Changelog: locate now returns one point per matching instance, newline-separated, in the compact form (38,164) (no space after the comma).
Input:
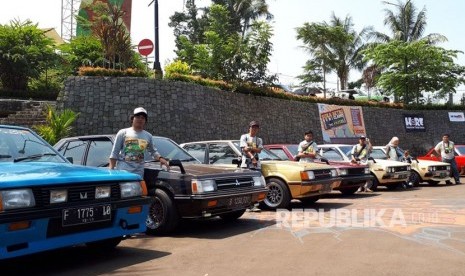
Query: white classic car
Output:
(386,172)
(429,171)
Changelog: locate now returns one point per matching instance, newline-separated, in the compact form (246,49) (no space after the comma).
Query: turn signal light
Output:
(261,196)
(19,225)
(134,209)
(144,188)
(212,203)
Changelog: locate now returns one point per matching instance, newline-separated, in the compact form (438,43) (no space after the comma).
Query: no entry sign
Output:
(145,47)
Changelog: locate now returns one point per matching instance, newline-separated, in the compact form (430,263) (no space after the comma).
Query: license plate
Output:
(401,176)
(239,201)
(442,175)
(84,215)
(326,188)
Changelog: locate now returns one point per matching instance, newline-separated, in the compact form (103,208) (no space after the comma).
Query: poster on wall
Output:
(414,123)
(341,124)
(456,117)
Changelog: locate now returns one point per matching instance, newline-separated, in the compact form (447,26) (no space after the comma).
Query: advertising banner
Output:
(414,123)
(456,117)
(341,124)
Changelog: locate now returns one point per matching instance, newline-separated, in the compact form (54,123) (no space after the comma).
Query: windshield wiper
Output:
(34,156)
(188,159)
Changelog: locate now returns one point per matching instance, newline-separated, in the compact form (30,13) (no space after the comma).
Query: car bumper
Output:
(315,187)
(354,181)
(437,176)
(390,178)
(208,205)
(45,232)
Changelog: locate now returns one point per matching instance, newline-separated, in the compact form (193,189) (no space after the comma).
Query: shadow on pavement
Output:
(80,258)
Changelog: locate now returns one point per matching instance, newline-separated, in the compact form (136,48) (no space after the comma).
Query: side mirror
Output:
(237,161)
(372,159)
(177,163)
(70,159)
(324,160)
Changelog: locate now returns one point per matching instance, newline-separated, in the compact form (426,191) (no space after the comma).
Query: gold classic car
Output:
(429,171)
(286,180)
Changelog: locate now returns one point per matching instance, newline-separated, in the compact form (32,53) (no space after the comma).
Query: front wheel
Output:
(375,184)
(163,216)
(232,216)
(415,178)
(278,195)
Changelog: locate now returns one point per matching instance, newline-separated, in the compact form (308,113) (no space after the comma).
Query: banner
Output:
(414,123)
(341,124)
(456,117)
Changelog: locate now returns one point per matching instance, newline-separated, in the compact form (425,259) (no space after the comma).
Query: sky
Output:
(444,17)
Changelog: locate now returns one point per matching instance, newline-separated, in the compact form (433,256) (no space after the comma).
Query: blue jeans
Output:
(453,168)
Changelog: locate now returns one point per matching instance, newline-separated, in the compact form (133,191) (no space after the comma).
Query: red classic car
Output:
(353,175)
(459,157)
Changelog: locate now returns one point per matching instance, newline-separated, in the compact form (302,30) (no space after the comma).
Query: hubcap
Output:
(274,196)
(156,215)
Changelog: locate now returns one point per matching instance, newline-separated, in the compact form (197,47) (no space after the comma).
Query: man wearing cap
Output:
(131,144)
(251,146)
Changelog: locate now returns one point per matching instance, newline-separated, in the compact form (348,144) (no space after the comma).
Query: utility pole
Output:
(156,63)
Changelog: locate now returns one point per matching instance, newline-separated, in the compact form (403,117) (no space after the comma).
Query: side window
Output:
(75,149)
(99,153)
(196,150)
(220,153)
(280,153)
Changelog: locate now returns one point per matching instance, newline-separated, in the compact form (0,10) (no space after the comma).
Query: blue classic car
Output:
(48,203)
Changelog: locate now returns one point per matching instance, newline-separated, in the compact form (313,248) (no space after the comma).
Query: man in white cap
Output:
(131,143)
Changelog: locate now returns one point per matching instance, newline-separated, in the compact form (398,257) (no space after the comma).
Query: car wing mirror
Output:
(70,159)
(177,163)
(237,161)
(372,159)
(324,160)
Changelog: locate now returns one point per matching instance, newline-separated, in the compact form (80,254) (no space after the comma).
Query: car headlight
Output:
(259,181)
(409,168)
(342,171)
(431,169)
(130,189)
(18,198)
(58,196)
(333,173)
(202,186)
(102,191)
(367,170)
(448,168)
(307,175)
(390,169)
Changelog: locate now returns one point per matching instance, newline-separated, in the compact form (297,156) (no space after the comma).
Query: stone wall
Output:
(189,112)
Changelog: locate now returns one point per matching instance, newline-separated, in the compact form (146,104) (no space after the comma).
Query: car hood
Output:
(296,165)
(425,163)
(48,173)
(215,170)
(390,163)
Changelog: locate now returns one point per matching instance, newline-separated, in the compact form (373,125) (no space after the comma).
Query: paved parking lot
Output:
(414,232)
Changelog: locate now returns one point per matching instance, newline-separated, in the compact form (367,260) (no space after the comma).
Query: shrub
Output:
(177,67)
(100,71)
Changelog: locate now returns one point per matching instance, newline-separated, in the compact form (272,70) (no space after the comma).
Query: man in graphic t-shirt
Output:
(251,146)
(446,150)
(131,144)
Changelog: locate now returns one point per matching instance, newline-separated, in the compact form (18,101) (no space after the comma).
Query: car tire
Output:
(433,183)
(278,195)
(163,216)
(415,178)
(232,216)
(374,186)
(105,245)
(349,191)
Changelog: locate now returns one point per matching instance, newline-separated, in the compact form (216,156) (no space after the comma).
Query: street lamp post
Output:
(156,63)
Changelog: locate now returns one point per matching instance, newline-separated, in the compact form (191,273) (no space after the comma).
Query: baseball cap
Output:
(253,123)
(139,110)
(362,137)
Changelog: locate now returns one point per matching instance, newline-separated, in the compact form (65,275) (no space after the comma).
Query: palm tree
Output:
(406,24)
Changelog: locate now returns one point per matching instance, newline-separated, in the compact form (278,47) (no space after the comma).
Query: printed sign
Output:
(456,117)
(414,123)
(341,124)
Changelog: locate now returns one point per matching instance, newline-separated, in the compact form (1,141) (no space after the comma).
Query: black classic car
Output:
(189,190)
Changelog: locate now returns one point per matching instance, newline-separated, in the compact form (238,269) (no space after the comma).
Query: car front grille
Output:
(76,194)
(356,171)
(441,168)
(234,183)
(322,174)
(400,169)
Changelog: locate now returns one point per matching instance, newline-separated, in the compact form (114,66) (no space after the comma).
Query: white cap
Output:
(140,110)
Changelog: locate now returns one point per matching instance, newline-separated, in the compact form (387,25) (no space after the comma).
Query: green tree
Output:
(417,66)
(25,53)
(82,51)
(335,45)
(59,125)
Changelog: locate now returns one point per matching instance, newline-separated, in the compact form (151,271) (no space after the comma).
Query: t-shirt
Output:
(446,149)
(129,148)
(394,153)
(251,142)
(357,152)
(307,147)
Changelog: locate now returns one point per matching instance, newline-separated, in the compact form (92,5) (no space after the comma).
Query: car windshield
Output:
(378,154)
(19,145)
(169,149)
(460,150)
(263,155)
(346,150)
(293,149)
